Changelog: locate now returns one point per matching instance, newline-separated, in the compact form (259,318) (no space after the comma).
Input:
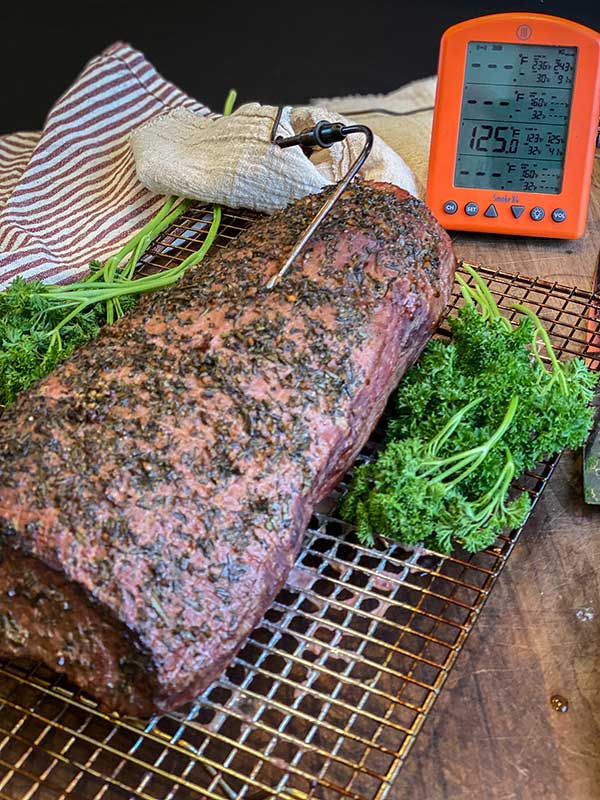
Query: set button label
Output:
(471,209)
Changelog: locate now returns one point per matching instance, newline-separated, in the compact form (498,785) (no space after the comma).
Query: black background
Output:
(284,52)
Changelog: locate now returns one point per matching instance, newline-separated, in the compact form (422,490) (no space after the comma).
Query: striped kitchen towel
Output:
(70,193)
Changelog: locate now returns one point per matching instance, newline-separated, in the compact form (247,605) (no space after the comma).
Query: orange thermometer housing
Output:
(515,126)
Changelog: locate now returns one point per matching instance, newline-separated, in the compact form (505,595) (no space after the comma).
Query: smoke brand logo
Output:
(524,32)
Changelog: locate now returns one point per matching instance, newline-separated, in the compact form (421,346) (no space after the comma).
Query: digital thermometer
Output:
(515,126)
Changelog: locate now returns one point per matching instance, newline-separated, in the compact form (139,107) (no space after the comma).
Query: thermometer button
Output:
(517,211)
(471,209)
(490,211)
(450,207)
(537,213)
(559,215)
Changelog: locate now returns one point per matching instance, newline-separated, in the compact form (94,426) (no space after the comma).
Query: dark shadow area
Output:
(270,52)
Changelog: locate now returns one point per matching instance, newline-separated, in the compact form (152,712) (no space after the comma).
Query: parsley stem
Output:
(493,499)
(481,294)
(466,461)
(557,371)
(113,290)
(442,437)
(229,102)
(108,282)
(152,229)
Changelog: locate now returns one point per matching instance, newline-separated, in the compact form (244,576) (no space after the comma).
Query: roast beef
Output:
(155,488)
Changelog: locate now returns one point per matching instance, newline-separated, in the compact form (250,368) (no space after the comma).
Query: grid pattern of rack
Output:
(330,691)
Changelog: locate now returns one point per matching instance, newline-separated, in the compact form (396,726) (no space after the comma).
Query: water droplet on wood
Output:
(559,703)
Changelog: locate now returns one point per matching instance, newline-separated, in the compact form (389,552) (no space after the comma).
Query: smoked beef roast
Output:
(155,488)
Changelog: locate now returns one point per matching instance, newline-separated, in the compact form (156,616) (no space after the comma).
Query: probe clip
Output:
(323,134)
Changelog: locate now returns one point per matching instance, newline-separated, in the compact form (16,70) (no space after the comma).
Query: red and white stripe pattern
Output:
(70,193)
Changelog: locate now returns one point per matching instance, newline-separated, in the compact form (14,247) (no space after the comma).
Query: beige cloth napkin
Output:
(231,160)
(408,135)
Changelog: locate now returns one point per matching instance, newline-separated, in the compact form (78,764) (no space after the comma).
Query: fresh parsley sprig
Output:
(469,417)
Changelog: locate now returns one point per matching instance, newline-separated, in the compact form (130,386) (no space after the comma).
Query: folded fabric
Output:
(232,161)
(409,133)
(70,193)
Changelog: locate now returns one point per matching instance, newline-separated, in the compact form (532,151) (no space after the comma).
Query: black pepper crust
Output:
(169,468)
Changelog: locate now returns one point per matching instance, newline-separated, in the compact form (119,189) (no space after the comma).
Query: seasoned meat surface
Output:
(155,488)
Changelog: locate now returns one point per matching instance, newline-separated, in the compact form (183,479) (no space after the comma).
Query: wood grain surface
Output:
(493,733)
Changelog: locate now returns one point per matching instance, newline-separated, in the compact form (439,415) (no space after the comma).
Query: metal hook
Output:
(276,122)
(323,134)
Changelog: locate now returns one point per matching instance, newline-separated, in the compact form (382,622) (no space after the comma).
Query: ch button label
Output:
(450,207)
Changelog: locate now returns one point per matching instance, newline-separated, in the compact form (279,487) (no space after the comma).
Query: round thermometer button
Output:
(471,209)
(450,207)
(537,213)
(559,215)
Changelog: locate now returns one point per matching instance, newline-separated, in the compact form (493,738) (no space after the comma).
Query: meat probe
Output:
(323,134)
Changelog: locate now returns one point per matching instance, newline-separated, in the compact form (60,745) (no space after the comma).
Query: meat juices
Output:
(155,488)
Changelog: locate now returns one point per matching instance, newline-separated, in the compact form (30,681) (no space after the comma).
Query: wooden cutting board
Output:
(493,733)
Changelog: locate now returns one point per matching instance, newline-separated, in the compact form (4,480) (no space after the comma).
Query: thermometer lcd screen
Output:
(515,116)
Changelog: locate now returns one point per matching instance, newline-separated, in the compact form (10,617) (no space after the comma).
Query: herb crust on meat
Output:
(155,488)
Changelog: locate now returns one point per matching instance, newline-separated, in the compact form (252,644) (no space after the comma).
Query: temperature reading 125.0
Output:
(514,117)
(515,125)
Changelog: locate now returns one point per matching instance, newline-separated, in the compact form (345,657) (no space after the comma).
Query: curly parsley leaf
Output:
(472,414)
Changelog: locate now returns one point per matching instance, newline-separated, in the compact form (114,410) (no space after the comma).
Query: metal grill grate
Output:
(330,691)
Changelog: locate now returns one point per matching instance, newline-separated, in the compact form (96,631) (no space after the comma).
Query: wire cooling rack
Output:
(330,691)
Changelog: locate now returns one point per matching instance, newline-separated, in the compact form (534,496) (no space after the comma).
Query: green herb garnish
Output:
(470,416)
(41,325)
